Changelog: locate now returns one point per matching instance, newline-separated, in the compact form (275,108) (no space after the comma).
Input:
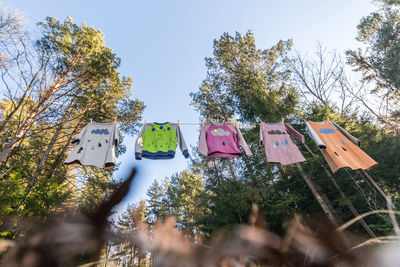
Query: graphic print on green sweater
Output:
(159,138)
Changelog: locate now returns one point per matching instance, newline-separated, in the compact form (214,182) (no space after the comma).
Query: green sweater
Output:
(159,140)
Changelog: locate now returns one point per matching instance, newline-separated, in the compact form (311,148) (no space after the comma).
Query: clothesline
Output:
(223,140)
(200,123)
(180,123)
(189,123)
(212,122)
(344,152)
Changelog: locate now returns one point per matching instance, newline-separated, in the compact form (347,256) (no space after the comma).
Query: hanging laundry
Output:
(95,146)
(222,141)
(339,148)
(278,145)
(159,141)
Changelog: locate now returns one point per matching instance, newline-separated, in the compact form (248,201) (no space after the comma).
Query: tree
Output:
(11,31)
(323,75)
(127,253)
(186,196)
(158,203)
(255,84)
(53,86)
(378,61)
(83,74)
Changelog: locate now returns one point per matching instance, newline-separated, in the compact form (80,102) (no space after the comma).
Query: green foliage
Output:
(186,195)
(183,196)
(246,82)
(252,85)
(378,63)
(127,253)
(158,206)
(12,192)
(85,85)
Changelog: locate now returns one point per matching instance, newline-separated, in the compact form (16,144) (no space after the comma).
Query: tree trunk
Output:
(32,180)
(39,108)
(26,124)
(22,98)
(132,255)
(139,257)
(349,204)
(322,199)
(107,252)
(152,259)
(343,195)
(231,169)
(369,179)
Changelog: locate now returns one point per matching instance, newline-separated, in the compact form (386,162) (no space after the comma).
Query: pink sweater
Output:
(275,137)
(222,141)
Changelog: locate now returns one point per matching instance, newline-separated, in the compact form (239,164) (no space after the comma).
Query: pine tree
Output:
(41,116)
(252,85)
(186,196)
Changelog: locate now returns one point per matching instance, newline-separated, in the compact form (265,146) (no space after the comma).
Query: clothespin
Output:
(144,123)
(91,121)
(283,120)
(115,119)
(177,123)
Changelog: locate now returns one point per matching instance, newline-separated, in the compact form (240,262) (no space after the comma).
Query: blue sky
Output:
(163,44)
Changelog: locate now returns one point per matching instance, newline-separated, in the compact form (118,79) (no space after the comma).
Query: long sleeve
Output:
(314,136)
(181,142)
(139,144)
(296,135)
(78,138)
(353,139)
(261,134)
(243,143)
(116,136)
(203,148)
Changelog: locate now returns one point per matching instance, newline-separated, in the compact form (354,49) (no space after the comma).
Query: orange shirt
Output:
(338,146)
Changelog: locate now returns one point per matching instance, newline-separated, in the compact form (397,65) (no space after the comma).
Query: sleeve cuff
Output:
(138,156)
(186,154)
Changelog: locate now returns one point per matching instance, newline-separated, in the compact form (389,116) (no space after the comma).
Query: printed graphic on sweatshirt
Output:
(220,132)
(326,131)
(279,132)
(100,131)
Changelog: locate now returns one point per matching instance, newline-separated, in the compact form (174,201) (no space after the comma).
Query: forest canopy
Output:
(58,79)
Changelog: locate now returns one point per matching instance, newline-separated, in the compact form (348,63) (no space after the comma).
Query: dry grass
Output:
(76,239)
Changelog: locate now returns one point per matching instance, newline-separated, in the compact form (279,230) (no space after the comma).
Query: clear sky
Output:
(163,44)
